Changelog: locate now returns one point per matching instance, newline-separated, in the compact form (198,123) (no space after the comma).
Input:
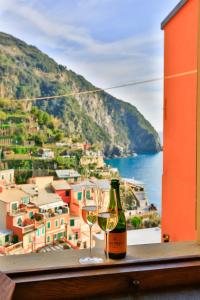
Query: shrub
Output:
(136,222)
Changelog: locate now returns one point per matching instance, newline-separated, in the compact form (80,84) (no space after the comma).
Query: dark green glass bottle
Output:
(118,236)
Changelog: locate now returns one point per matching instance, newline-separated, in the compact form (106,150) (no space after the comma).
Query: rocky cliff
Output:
(97,117)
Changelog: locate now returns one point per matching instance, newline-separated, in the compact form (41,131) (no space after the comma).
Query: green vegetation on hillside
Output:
(34,125)
(27,72)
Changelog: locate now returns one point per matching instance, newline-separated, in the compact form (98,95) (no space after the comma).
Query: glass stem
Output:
(107,238)
(90,241)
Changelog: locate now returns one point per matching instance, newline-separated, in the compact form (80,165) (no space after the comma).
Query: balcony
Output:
(26,228)
(17,212)
(55,213)
(11,248)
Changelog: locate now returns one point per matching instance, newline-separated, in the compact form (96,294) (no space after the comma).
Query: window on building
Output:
(88,194)
(72,222)
(25,200)
(7,238)
(67,193)
(48,224)
(76,235)
(79,196)
(62,221)
(70,237)
(56,223)
(19,221)
(14,206)
(38,232)
(43,230)
(48,239)
(31,214)
(60,235)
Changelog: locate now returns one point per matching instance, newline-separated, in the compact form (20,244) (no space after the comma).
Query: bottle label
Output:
(117,242)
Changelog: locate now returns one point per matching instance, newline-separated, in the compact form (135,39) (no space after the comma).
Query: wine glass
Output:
(89,215)
(107,215)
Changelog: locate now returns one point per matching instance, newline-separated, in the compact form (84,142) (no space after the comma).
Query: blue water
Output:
(146,168)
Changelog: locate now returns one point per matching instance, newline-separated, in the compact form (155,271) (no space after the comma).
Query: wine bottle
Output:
(118,236)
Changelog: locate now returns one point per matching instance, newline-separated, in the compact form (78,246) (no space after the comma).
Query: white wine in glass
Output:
(107,216)
(89,215)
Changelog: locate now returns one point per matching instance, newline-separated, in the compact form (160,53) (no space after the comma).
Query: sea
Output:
(146,168)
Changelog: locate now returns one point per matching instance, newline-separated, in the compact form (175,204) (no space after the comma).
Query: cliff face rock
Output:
(98,117)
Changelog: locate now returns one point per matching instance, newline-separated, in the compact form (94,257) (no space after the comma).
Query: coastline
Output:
(144,167)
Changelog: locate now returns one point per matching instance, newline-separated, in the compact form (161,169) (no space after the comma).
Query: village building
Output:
(79,193)
(63,189)
(138,193)
(92,158)
(7,176)
(46,153)
(69,174)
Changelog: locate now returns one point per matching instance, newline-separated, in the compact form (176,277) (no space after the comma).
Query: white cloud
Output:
(103,63)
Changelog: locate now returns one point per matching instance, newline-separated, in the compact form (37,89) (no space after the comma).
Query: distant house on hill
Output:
(46,153)
(7,176)
(92,158)
(68,174)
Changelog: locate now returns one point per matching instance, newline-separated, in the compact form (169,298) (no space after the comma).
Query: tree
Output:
(40,138)
(59,136)
(3,116)
(136,221)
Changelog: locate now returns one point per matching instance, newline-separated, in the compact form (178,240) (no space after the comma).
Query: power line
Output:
(91,91)
(97,90)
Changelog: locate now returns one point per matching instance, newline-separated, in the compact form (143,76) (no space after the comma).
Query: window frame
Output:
(134,274)
(78,194)
(72,221)
(48,226)
(56,223)
(129,275)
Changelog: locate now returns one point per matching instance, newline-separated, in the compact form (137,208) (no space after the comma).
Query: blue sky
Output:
(107,41)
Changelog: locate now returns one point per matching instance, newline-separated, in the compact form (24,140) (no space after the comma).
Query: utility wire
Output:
(97,90)
(91,91)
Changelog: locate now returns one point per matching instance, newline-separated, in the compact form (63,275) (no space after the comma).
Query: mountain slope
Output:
(98,117)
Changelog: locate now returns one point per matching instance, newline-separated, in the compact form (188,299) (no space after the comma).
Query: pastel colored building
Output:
(9,246)
(69,174)
(181,33)
(79,193)
(41,181)
(63,189)
(92,158)
(10,200)
(46,153)
(7,177)
(53,213)
(35,216)
(15,218)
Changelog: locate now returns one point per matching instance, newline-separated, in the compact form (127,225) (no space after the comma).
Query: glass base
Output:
(90,260)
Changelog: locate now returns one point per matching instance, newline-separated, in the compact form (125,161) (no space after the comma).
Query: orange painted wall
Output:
(62,194)
(179,162)
(52,220)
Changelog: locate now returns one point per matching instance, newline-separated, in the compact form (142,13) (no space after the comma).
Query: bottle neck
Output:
(114,192)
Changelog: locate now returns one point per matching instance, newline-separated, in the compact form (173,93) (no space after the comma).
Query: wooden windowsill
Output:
(70,258)
(58,275)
